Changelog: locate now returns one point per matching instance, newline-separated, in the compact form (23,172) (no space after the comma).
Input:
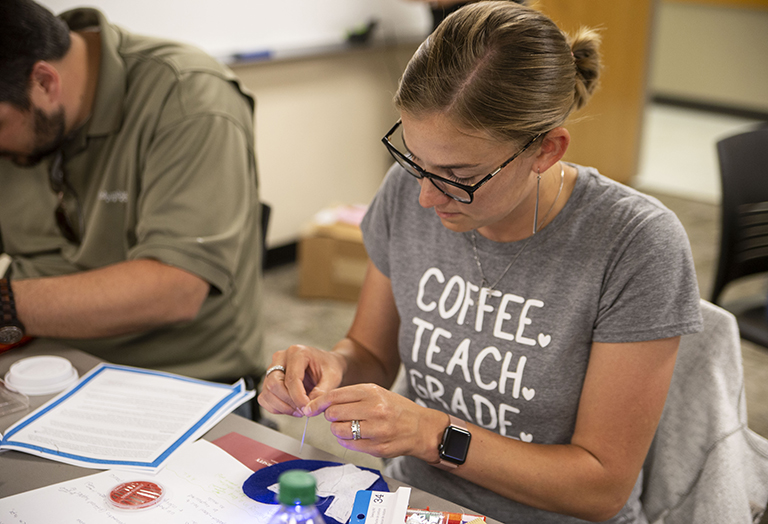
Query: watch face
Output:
(455,444)
(10,334)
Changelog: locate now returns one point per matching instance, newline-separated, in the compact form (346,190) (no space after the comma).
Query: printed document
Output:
(119,417)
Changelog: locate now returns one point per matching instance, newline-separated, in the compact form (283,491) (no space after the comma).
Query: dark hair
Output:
(502,68)
(28,33)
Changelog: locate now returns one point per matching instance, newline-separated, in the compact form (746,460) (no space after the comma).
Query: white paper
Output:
(203,485)
(123,417)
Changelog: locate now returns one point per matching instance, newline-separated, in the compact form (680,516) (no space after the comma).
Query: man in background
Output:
(128,196)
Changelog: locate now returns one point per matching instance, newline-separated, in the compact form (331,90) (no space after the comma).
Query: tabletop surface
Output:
(20,472)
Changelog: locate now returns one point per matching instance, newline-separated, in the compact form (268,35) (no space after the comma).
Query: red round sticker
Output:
(138,494)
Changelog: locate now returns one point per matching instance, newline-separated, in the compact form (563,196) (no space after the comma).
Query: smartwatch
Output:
(455,445)
(11,330)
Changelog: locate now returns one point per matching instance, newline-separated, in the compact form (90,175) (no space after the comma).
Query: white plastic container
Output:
(41,375)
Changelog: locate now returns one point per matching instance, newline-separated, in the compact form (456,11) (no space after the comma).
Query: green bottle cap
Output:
(296,487)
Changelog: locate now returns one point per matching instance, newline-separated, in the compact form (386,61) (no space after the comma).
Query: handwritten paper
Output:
(203,485)
(123,417)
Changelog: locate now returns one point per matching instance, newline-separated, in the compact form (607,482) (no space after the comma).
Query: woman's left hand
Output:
(390,424)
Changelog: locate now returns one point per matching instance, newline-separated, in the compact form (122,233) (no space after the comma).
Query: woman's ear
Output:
(45,86)
(553,147)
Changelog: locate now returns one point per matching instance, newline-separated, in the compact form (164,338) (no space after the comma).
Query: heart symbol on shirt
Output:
(544,340)
(526,437)
(528,393)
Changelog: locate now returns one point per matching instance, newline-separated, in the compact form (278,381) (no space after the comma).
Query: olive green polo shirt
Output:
(164,169)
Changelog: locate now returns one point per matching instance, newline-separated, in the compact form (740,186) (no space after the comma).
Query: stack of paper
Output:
(118,417)
(202,485)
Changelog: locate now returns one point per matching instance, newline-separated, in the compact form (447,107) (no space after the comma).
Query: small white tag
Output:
(378,507)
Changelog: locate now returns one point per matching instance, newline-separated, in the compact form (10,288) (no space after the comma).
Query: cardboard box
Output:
(332,261)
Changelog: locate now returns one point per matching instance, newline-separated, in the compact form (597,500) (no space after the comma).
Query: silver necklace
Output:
(535,229)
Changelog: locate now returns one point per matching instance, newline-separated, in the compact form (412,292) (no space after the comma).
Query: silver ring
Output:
(274,368)
(356,430)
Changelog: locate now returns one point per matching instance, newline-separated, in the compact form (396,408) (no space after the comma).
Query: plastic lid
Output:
(41,375)
(297,487)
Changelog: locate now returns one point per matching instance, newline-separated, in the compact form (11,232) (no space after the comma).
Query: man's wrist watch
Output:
(11,330)
(455,445)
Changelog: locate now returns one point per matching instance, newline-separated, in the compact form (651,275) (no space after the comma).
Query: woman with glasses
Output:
(535,305)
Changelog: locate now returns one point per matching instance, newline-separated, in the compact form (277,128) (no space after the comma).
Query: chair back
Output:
(744,234)
(705,466)
(266,211)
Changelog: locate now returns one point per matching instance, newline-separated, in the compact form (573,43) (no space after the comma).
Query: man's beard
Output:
(49,132)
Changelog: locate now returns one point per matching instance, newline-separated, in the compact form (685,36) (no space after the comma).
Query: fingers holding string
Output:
(299,374)
(274,396)
(311,373)
(297,381)
(343,403)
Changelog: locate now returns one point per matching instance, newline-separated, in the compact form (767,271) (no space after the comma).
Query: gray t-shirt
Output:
(613,266)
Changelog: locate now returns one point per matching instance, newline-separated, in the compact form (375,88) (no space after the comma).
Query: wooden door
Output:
(606,133)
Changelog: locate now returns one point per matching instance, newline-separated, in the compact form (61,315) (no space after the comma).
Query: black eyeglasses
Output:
(461,192)
(68,201)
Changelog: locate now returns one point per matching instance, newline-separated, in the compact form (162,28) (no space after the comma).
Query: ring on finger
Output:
(356,430)
(274,368)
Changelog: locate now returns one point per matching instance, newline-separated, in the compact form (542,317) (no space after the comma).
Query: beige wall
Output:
(320,119)
(319,122)
(712,52)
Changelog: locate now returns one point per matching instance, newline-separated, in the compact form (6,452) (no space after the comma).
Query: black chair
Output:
(266,211)
(252,381)
(744,235)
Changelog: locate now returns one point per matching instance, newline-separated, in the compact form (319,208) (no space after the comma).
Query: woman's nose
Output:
(429,195)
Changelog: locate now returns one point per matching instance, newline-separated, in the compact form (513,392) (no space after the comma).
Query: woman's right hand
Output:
(368,354)
(309,373)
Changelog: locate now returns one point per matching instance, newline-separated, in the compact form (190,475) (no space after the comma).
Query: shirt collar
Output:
(106,115)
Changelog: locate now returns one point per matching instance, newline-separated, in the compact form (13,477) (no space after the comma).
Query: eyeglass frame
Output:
(469,189)
(57,179)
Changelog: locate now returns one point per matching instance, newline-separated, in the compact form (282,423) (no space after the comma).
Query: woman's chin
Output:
(456,224)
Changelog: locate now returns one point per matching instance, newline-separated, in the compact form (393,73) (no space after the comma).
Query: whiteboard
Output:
(227,27)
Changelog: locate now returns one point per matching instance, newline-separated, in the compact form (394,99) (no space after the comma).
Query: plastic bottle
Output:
(297,499)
